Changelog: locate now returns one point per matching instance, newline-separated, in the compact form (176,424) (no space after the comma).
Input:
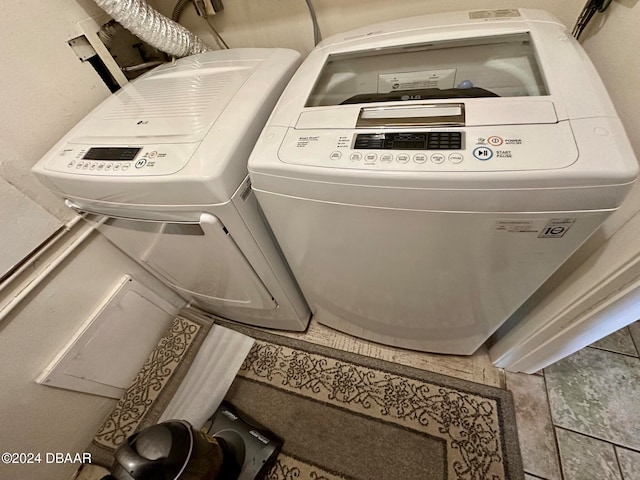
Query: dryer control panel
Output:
(121,160)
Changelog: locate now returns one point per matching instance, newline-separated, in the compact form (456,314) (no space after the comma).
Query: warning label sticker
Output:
(518,226)
(504,13)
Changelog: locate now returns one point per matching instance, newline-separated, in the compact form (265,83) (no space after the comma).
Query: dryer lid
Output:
(174,103)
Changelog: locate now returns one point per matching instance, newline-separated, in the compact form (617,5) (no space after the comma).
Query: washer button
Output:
(456,158)
(419,158)
(386,158)
(117,166)
(141,163)
(437,158)
(494,141)
(482,153)
(402,157)
(335,156)
(356,157)
(370,157)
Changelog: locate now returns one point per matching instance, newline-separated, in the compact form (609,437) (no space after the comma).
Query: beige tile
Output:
(586,458)
(476,368)
(629,463)
(535,430)
(618,342)
(596,393)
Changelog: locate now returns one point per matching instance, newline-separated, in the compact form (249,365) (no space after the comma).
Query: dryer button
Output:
(370,157)
(386,158)
(335,156)
(402,157)
(356,157)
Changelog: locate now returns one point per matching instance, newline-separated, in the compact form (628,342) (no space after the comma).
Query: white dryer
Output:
(424,176)
(163,164)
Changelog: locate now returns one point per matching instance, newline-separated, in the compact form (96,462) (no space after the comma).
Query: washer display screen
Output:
(409,141)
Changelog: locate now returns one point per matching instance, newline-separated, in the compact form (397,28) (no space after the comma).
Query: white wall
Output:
(44,88)
(25,225)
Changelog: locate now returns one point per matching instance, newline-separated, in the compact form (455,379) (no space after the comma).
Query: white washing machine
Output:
(163,164)
(424,176)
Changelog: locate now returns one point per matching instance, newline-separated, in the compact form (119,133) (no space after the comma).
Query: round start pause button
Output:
(483,153)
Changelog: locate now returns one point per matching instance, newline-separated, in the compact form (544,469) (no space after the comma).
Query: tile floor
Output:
(579,419)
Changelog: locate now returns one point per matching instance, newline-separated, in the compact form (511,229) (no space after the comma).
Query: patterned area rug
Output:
(345,416)
(341,415)
(145,399)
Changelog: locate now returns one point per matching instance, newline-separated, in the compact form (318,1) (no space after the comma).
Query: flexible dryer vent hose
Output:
(152,27)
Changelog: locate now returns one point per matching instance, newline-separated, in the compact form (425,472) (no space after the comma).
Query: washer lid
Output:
(478,67)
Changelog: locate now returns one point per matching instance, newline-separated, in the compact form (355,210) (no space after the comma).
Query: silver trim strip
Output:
(432,114)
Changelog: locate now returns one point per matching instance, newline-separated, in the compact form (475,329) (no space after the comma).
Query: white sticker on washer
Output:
(545,228)
(392,82)
(518,226)
(505,13)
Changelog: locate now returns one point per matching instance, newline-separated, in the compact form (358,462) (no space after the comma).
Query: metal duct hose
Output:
(154,28)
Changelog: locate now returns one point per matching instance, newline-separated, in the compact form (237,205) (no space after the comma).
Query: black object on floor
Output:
(249,448)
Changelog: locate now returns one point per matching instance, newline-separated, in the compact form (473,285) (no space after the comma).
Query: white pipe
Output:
(62,256)
(30,262)
(153,27)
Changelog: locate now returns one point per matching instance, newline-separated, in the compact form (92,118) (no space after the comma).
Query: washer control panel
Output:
(486,148)
(121,160)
